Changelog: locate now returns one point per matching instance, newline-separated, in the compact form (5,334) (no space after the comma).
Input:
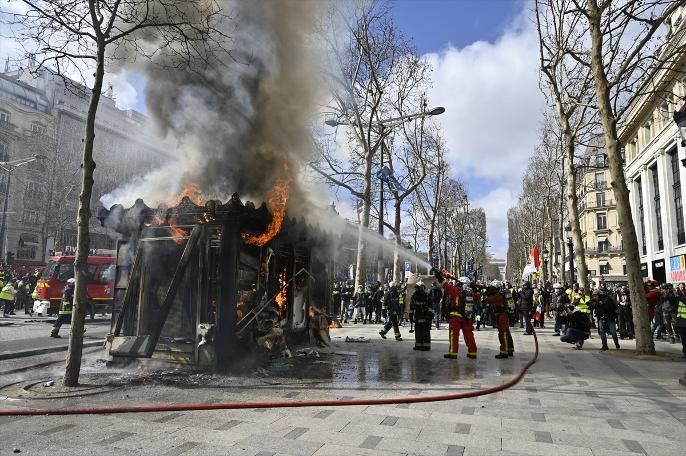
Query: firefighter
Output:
(458,318)
(65,308)
(391,300)
(421,312)
(497,302)
(511,297)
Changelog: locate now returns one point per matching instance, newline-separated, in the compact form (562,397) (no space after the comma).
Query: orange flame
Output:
(334,324)
(281,296)
(192,191)
(278,197)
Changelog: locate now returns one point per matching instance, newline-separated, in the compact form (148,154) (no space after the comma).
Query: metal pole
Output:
(4,212)
(570,247)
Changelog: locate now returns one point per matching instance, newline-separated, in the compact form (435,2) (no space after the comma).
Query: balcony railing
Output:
(597,205)
(609,250)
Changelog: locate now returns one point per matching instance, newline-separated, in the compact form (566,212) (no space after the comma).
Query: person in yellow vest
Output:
(680,323)
(7,299)
(66,306)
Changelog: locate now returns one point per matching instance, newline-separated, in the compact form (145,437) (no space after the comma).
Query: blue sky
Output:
(433,24)
(485,74)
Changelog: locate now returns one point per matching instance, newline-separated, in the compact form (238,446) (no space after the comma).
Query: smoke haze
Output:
(241,123)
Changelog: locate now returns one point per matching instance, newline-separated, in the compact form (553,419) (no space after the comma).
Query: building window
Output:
(37,128)
(600,199)
(4,153)
(601,221)
(600,160)
(623,269)
(603,245)
(641,216)
(33,191)
(28,252)
(678,204)
(658,214)
(599,180)
(30,217)
(4,116)
(591,272)
(605,269)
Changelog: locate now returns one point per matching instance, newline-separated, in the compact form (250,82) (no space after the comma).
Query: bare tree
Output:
(625,52)
(568,83)
(82,36)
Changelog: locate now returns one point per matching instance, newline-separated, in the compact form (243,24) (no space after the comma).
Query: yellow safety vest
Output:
(681,310)
(583,305)
(509,292)
(6,293)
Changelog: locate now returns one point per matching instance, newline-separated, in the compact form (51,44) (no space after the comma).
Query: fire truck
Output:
(60,268)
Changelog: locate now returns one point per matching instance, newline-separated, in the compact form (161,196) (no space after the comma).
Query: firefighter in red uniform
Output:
(459,314)
(497,302)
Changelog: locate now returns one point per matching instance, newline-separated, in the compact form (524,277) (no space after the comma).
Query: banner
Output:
(678,268)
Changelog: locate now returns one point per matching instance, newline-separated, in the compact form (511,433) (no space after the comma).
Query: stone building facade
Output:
(43,196)
(653,167)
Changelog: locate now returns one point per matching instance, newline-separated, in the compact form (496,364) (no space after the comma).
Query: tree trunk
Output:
(561,232)
(360,269)
(73,365)
(397,266)
(572,201)
(644,339)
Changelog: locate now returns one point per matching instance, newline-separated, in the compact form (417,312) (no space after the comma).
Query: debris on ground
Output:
(361,339)
(49,383)
(344,353)
(307,353)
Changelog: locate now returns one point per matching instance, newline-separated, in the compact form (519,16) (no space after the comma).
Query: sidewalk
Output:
(24,336)
(571,402)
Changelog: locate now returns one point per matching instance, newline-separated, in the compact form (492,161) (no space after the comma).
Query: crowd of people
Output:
(17,290)
(572,311)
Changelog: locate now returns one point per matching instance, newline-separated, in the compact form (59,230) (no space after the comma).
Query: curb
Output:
(45,350)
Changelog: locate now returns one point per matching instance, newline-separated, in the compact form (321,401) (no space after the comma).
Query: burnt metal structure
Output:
(186,278)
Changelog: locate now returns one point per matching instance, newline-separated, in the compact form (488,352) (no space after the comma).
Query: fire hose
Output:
(281,404)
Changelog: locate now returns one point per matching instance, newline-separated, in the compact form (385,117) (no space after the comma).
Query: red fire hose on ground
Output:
(283,404)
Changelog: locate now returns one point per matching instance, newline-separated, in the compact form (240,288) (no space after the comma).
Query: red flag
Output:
(535,256)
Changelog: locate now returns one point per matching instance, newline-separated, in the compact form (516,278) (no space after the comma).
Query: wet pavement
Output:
(571,402)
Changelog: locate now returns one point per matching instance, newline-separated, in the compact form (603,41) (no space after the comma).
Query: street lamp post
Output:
(570,248)
(8,167)
(385,126)
(545,265)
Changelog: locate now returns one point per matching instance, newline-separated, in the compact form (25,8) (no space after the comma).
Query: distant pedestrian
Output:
(392,303)
(435,297)
(7,298)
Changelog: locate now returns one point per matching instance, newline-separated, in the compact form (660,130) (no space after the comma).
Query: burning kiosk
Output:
(197,277)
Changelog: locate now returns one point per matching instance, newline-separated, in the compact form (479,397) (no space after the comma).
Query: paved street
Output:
(22,332)
(571,402)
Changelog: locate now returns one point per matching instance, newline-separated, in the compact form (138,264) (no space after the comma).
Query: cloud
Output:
(493,113)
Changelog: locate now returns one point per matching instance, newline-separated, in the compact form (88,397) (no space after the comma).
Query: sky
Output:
(484,58)
(484,54)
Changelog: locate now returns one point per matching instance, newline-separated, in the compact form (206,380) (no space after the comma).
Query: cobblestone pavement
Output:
(571,403)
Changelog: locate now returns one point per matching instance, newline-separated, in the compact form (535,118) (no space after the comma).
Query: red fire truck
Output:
(60,268)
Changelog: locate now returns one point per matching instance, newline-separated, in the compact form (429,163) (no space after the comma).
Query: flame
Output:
(278,197)
(281,296)
(192,191)
(334,324)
